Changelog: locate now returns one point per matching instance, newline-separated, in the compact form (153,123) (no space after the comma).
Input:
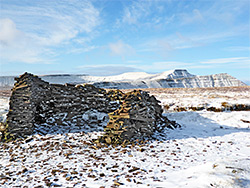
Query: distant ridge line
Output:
(178,78)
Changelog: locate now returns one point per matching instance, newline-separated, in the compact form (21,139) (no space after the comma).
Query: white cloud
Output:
(135,12)
(195,17)
(33,31)
(179,41)
(227,11)
(66,21)
(223,63)
(166,45)
(166,65)
(162,66)
(16,45)
(8,32)
(133,61)
(228,60)
(108,69)
(82,50)
(235,62)
(121,49)
(238,48)
(221,13)
(146,14)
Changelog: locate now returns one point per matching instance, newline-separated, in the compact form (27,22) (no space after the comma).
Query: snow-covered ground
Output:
(174,99)
(4,106)
(211,149)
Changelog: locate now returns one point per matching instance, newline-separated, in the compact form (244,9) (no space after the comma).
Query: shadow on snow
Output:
(193,125)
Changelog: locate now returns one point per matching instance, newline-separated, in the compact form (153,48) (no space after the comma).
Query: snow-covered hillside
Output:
(169,79)
(211,149)
(175,80)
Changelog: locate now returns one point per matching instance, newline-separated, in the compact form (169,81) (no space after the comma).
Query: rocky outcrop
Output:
(38,106)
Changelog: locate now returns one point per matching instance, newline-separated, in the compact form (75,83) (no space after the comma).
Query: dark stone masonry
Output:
(38,106)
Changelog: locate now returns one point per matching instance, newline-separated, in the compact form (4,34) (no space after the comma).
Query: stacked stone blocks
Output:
(35,103)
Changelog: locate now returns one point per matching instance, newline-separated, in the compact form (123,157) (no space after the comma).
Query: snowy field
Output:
(186,99)
(211,149)
(4,106)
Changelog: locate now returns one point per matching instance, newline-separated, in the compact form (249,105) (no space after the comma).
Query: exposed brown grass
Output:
(229,94)
(194,90)
(5,91)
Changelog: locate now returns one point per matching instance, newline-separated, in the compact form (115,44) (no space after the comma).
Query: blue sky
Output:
(115,36)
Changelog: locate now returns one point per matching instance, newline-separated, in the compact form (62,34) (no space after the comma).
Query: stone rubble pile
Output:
(38,106)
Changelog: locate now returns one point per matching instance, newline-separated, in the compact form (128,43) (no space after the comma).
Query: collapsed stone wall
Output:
(35,103)
(138,117)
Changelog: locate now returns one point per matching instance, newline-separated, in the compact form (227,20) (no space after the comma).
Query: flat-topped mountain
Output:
(179,78)
(173,79)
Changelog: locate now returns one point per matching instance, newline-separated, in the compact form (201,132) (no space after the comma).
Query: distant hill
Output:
(179,78)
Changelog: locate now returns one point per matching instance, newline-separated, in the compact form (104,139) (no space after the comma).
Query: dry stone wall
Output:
(38,106)
(35,102)
(138,117)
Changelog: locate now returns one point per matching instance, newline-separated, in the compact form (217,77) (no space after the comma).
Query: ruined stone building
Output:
(38,106)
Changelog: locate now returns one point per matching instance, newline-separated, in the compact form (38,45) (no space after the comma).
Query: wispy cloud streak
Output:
(228,60)
(45,25)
